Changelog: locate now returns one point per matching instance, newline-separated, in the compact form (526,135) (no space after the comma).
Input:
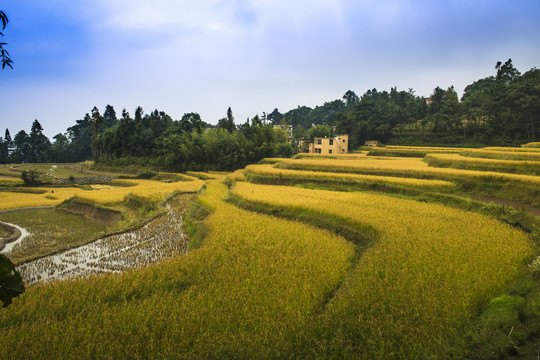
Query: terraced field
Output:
(349,257)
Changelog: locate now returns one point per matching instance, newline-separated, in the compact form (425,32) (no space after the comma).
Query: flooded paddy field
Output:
(161,238)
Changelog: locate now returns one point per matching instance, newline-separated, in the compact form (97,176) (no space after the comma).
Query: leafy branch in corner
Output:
(4,54)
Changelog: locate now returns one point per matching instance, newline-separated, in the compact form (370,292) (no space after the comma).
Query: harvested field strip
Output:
(413,291)
(260,173)
(249,292)
(457,161)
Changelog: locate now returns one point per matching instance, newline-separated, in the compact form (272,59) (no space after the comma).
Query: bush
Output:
(30,178)
(146,174)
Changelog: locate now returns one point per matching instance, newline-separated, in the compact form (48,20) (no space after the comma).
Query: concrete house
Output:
(338,144)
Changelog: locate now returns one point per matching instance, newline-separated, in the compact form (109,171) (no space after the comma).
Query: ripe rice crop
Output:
(457,161)
(414,290)
(514,149)
(268,172)
(502,155)
(524,188)
(154,190)
(531,145)
(249,292)
(410,151)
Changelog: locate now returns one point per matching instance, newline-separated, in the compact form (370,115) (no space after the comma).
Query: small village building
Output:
(373,143)
(338,144)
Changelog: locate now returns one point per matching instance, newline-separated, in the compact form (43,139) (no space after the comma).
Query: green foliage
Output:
(30,178)
(11,284)
(146,174)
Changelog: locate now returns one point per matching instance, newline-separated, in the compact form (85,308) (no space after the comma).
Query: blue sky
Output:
(203,56)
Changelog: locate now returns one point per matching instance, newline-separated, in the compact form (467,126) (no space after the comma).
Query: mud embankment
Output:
(95,214)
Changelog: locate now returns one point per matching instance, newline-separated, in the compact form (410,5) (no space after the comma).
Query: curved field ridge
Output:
(410,294)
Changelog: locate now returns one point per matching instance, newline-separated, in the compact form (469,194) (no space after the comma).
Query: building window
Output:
(330,150)
(317,151)
(319,142)
(331,142)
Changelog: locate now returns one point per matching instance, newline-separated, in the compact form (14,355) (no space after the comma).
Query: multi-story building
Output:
(338,144)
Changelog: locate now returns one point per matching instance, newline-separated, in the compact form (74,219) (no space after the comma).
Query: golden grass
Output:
(427,275)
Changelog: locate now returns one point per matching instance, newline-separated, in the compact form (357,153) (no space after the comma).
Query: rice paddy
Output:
(318,274)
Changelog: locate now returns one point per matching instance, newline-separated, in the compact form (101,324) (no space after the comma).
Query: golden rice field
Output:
(532,145)
(411,151)
(269,172)
(423,279)
(249,292)
(153,190)
(512,149)
(502,155)
(265,287)
(518,187)
(408,167)
(458,161)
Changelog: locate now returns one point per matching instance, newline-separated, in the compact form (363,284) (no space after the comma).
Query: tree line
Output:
(153,139)
(502,109)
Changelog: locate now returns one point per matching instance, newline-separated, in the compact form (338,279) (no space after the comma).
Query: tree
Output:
(274,117)
(39,143)
(228,122)
(350,98)
(21,151)
(109,116)
(6,60)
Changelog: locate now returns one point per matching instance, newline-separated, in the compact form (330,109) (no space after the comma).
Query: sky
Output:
(203,56)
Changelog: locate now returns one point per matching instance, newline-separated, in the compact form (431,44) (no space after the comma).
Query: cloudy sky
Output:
(203,56)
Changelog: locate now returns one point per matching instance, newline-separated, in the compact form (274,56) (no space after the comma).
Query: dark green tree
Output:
(350,98)
(274,117)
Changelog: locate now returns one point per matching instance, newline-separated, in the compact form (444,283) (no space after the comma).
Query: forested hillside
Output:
(503,109)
